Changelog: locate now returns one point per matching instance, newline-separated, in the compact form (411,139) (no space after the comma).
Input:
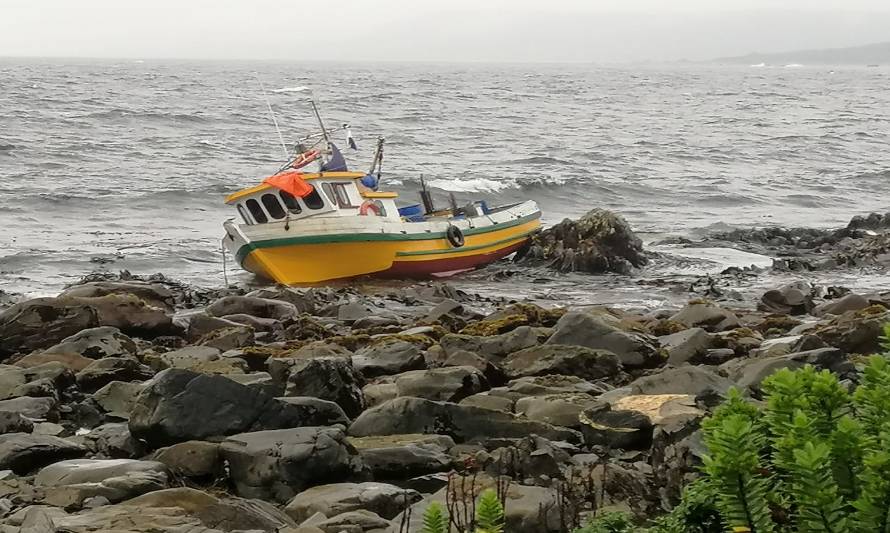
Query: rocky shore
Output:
(144,405)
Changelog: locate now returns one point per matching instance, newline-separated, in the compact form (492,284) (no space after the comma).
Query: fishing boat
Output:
(315,220)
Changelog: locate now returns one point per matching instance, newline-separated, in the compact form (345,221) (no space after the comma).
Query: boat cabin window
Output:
(256,211)
(244,216)
(273,206)
(290,202)
(313,200)
(338,194)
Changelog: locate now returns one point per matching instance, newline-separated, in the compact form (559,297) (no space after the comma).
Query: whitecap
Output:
(468,184)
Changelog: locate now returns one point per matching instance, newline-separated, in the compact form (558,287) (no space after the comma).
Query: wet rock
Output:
(330,500)
(856,332)
(486,400)
(22,452)
(14,423)
(180,405)
(750,373)
(378,393)
(323,412)
(277,464)
(461,422)
(791,299)
(699,382)
(130,314)
(556,409)
(686,346)
(328,378)
(304,300)
(600,241)
(525,512)
(354,522)
(155,294)
(118,397)
(229,338)
(582,329)
(849,302)
(248,305)
(493,348)
(72,361)
(113,440)
(555,384)
(41,322)
(191,459)
(492,372)
(706,315)
(573,360)
(69,483)
(34,408)
(388,358)
(616,428)
(398,457)
(786,345)
(449,384)
(204,359)
(199,325)
(96,343)
(103,371)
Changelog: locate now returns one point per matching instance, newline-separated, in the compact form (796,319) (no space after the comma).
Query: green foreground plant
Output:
(489,515)
(814,458)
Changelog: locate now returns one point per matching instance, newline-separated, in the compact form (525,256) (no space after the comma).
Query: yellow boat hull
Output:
(306,260)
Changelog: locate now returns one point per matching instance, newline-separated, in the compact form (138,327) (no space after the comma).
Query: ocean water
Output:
(110,165)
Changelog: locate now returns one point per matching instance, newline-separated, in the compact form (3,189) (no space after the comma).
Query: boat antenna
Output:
(308,91)
(272,114)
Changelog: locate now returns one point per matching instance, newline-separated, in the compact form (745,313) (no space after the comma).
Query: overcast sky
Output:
(417,30)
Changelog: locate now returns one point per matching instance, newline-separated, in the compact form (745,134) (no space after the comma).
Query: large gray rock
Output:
(398,457)
(154,294)
(96,343)
(177,510)
(113,440)
(389,358)
(193,458)
(22,453)
(750,373)
(118,397)
(600,241)
(693,380)
(577,328)
(42,322)
(791,299)
(129,313)
(686,346)
(848,302)
(278,464)
(180,405)
(706,315)
(204,359)
(555,359)
(328,378)
(69,483)
(449,384)
(556,409)
(248,305)
(16,381)
(461,422)
(330,500)
(528,510)
(35,408)
(494,347)
(103,371)
(360,521)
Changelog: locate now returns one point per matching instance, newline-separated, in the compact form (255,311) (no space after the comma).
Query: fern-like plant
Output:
(814,457)
(489,513)
(434,519)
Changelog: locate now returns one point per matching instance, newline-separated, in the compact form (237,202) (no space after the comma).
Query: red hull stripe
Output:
(436,266)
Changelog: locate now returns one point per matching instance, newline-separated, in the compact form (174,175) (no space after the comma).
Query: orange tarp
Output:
(291,182)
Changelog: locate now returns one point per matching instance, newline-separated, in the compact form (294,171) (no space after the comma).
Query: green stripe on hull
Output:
(245,250)
(466,248)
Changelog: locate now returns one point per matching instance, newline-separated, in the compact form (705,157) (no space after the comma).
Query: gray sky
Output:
(417,30)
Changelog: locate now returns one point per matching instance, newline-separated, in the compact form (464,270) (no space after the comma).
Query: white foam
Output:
(469,184)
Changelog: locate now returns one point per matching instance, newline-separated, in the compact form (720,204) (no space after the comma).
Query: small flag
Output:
(350,141)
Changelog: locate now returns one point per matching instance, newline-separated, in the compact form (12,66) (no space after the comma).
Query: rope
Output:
(222,245)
